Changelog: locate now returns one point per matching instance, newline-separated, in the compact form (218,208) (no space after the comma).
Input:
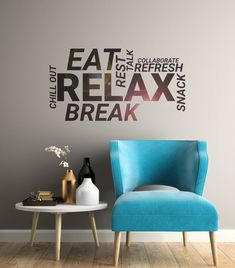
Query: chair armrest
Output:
(116,170)
(202,169)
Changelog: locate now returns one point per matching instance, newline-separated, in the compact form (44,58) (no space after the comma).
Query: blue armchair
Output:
(181,164)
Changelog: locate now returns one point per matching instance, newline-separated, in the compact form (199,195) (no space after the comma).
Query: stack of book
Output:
(44,196)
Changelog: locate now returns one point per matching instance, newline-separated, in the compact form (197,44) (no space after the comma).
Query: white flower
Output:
(63,153)
(66,164)
(67,149)
(60,153)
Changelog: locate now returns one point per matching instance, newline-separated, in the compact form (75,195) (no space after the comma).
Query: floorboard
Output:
(138,255)
(204,250)
(160,255)
(135,256)
(81,255)
(104,256)
(187,256)
(47,259)
(228,249)
(9,251)
(27,256)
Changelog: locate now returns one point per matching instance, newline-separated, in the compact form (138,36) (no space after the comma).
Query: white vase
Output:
(87,193)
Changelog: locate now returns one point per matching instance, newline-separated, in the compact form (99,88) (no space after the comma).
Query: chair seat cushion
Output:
(163,210)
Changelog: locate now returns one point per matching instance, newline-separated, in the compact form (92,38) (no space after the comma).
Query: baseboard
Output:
(225,235)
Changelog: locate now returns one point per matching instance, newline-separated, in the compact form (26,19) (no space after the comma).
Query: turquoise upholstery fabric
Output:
(163,210)
(181,164)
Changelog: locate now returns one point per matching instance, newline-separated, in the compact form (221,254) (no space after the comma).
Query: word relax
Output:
(136,88)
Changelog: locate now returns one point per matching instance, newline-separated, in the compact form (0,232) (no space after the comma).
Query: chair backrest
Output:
(181,164)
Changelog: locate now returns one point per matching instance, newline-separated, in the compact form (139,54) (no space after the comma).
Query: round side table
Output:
(58,210)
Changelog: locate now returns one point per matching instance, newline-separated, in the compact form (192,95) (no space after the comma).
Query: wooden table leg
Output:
(34,227)
(93,226)
(58,223)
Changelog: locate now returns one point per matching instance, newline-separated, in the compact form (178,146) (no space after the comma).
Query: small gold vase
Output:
(68,187)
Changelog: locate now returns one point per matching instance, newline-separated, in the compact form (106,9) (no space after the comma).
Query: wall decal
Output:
(110,84)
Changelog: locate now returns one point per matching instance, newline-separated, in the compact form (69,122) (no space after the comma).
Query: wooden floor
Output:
(142,255)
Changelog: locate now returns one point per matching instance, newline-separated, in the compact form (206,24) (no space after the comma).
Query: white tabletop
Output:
(62,208)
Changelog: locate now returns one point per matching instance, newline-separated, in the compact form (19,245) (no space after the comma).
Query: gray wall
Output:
(34,34)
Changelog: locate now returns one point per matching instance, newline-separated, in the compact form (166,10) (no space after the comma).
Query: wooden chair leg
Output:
(128,238)
(185,239)
(34,227)
(214,247)
(117,242)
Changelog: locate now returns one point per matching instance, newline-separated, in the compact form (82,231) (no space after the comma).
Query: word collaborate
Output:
(111,84)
